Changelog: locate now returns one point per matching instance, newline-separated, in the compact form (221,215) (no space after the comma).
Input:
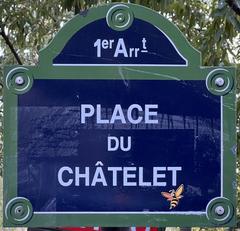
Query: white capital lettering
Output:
(114,171)
(87,110)
(99,177)
(149,114)
(121,49)
(117,115)
(127,175)
(60,176)
(82,175)
(141,182)
(157,176)
(174,174)
(129,114)
(99,113)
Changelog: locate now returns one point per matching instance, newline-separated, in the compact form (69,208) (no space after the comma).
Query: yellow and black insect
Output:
(174,196)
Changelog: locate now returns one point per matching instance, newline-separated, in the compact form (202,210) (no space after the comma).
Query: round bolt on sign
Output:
(119,17)
(18,211)
(19,80)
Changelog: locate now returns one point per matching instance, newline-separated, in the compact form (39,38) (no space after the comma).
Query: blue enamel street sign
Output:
(100,139)
(119,125)
(108,46)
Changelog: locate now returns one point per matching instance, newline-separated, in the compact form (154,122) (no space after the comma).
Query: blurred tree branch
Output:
(10,45)
(235,5)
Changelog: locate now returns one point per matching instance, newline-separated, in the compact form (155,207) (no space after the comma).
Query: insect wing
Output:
(167,195)
(180,190)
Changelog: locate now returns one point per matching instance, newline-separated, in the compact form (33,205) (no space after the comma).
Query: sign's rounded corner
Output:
(120,17)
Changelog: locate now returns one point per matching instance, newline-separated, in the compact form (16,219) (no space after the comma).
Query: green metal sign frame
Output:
(19,211)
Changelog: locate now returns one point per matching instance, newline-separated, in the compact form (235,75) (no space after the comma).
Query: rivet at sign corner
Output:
(219,210)
(18,209)
(19,80)
(219,82)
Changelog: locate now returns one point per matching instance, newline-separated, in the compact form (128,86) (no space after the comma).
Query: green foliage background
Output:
(212,26)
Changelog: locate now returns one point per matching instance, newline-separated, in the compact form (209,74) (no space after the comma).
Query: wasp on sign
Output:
(174,196)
